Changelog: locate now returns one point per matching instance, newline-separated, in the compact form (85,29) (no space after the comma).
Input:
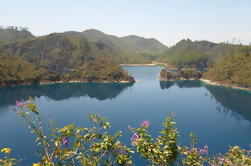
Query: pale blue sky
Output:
(166,20)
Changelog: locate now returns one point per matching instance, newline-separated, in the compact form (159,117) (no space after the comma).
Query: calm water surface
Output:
(219,116)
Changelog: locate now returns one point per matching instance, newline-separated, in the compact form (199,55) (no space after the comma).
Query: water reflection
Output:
(166,84)
(181,84)
(100,91)
(189,84)
(230,102)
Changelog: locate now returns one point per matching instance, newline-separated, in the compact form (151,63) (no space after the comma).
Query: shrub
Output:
(72,145)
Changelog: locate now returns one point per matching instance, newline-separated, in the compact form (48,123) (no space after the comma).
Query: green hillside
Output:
(14,33)
(14,70)
(131,44)
(141,44)
(131,49)
(197,54)
(101,69)
(57,51)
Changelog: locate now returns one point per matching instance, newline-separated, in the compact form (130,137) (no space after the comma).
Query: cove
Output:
(220,116)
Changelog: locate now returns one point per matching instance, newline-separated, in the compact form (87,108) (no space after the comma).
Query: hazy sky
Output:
(166,20)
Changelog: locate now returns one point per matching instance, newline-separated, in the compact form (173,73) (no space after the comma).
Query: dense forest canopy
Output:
(14,70)
(198,54)
(101,69)
(235,69)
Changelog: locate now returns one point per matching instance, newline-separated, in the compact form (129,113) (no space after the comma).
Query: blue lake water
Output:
(219,116)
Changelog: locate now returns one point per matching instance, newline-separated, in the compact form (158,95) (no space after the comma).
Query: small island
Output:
(16,71)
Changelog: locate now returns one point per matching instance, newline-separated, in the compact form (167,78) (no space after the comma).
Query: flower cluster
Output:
(145,124)
(65,141)
(204,150)
(134,139)
(20,103)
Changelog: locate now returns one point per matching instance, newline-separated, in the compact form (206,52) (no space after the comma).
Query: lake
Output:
(220,116)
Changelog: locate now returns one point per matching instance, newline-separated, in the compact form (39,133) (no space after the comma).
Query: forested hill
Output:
(56,51)
(198,54)
(14,33)
(226,63)
(15,71)
(59,51)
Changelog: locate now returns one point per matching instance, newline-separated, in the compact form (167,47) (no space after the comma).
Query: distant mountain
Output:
(132,43)
(13,33)
(139,44)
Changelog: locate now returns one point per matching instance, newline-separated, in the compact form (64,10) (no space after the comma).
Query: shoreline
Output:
(78,81)
(71,82)
(145,64)
(216,83)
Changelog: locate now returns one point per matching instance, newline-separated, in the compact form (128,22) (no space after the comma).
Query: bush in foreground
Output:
(72,145)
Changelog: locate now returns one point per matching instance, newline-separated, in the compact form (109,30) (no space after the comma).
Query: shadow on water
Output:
(233,102)
(100,91)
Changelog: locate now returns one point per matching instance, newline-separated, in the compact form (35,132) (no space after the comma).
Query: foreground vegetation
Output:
(72,145)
